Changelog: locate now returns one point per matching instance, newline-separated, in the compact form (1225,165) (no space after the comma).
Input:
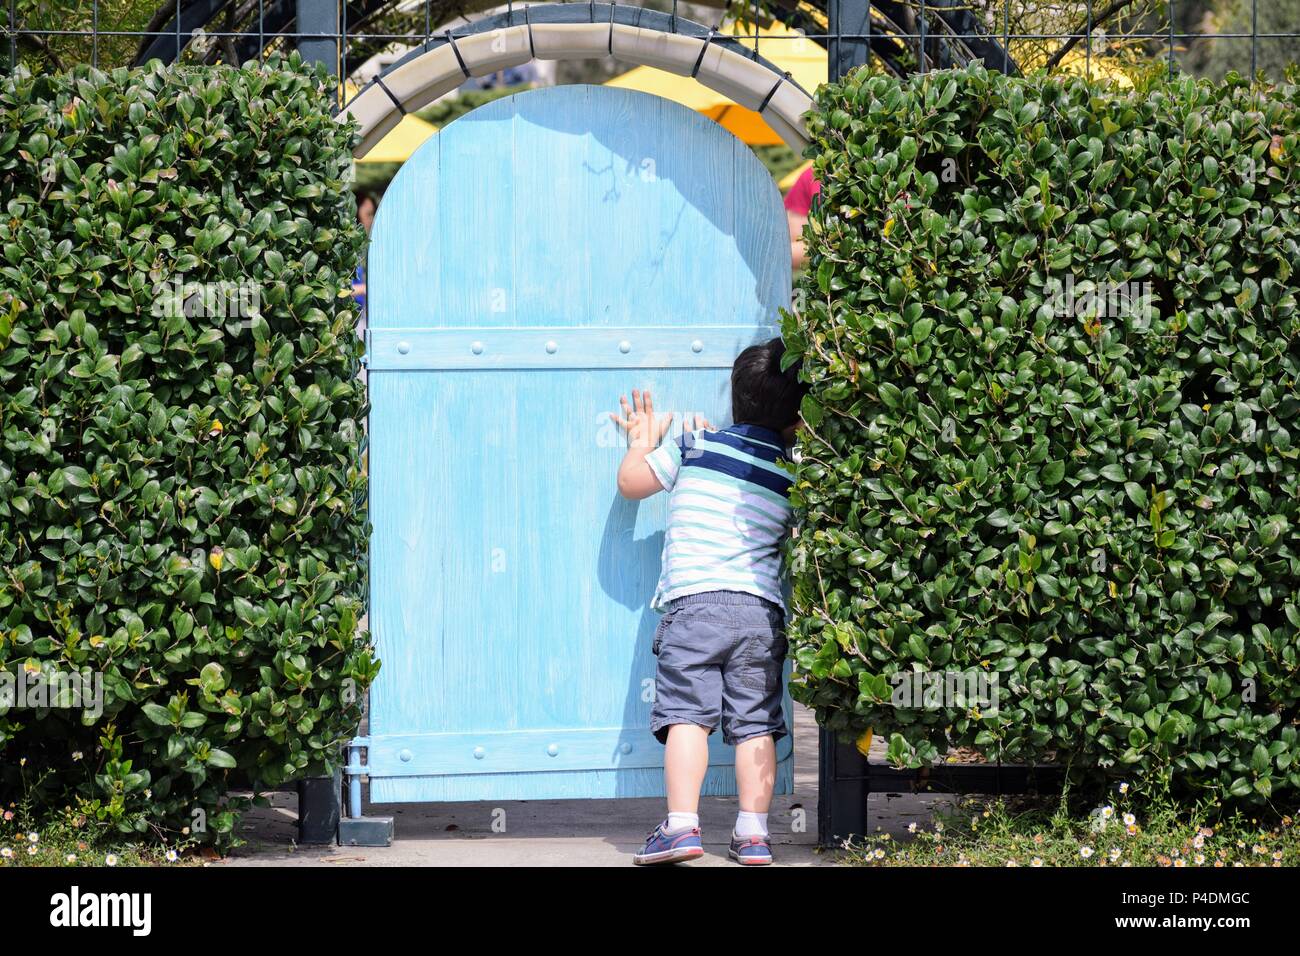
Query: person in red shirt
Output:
(798,202)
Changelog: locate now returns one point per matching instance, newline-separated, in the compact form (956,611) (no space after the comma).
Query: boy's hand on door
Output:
(638,420)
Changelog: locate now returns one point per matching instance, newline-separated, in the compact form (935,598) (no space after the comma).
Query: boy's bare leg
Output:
(756,773)
(686,760)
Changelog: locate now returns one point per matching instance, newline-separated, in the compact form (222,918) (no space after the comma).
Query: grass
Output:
(69,839)
(1123,832)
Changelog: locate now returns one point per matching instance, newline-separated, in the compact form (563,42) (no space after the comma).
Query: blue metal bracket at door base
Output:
(354,829)
(540,347)
(355,770)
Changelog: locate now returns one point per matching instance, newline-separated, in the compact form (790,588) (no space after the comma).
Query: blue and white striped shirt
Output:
(728,510)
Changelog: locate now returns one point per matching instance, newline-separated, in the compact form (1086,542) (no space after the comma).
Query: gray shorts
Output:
(720,660)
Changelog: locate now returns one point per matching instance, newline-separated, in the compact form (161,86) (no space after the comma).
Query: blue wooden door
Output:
(530,263)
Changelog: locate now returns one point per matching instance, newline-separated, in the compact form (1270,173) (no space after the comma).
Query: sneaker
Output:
(670,846)
(751,850)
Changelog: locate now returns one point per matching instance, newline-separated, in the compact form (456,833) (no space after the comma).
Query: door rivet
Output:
(405,756)
(477,348)
(479,753)
(403,347)
(552,347)
(625,747)
(697,346)
(625,346)
(553,750)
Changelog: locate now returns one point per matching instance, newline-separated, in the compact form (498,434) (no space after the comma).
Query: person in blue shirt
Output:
(366,207)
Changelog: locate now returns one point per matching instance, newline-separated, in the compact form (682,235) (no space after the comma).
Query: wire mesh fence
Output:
(360,38)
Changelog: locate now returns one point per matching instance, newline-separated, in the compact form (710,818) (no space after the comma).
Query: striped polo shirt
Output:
(728,510)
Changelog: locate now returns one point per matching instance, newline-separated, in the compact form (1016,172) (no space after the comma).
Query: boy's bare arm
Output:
(635,479)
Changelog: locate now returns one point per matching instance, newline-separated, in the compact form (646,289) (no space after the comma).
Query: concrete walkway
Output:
(566,832)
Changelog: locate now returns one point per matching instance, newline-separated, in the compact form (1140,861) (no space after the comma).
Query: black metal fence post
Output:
(320,804)
(318,32)
(320,799)
(849,26)
(841,790)
(842,770)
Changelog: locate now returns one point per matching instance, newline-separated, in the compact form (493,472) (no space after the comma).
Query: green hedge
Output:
(1095,501)
(182,505)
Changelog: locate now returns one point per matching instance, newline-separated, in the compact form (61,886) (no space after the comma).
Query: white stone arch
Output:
(572,32)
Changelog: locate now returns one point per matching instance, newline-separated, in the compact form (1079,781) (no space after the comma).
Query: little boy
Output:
(720,643)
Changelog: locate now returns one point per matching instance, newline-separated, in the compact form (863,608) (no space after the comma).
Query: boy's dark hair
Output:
(762,394)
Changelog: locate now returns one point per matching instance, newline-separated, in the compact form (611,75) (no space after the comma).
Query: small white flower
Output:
(33,837)
(6,853)
(911,828)
(1085,851)
(1036,861)
(1107,812)
(1129,820)
(1115,854)
(110,860)
(171,856)
(1123,788)
(70,858)
(31,851)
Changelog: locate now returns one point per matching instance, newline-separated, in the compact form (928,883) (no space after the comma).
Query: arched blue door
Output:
(530,263)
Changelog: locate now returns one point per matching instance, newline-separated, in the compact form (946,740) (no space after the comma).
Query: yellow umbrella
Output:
(403,140)
(787,50)
(1097,67)
(1077,62)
